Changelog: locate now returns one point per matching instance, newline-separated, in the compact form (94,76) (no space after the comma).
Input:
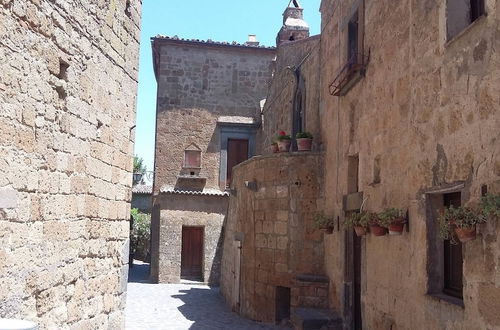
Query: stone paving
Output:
(179,307)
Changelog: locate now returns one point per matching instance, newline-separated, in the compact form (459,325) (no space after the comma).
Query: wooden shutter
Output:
(237,152)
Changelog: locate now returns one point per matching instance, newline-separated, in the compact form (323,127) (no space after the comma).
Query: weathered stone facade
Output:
(426,114)
(270,239)
(416,118)
(67,100)
(208,93)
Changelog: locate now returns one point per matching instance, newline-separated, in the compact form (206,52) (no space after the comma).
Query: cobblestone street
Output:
(179,307)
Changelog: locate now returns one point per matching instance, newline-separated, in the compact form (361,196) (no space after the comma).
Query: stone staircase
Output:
(310,304)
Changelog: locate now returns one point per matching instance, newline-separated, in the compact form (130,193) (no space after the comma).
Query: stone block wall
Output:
(273,220)
(67,107)
(427,109)
(198,82)
(179,210)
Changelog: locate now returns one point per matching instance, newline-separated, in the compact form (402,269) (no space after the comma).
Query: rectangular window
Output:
(453,258)
(192,159)
(353,39)
(237,152)
(461,13)
(352,174)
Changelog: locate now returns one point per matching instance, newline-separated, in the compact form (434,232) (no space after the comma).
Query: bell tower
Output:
(294,27)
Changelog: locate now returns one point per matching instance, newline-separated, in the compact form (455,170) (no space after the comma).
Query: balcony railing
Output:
(349,74)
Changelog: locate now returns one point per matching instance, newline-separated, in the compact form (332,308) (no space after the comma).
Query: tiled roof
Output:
(211,42)
(142,189)
(205,192)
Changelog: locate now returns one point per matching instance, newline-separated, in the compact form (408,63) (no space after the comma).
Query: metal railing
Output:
(355,66)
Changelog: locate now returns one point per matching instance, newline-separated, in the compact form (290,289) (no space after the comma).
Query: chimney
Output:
(252,40)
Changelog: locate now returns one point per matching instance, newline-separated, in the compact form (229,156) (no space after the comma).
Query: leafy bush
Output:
(391,215)
(490,205)
(322,221)
(357,219)
(462,217)
(304,135)
(140,233)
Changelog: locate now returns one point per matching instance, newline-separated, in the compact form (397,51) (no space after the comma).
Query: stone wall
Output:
(428,110)
(67,99)
(302,57)
(272,219)
(197,83)
(179,210)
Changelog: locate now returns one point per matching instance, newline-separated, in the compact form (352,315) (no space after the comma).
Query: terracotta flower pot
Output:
(465,234)
(396,227)
(304,144)
(360,230)
(274,148)
(378,230)
(284,145)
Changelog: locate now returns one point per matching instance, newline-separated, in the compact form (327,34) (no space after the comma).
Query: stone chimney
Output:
(252,40)
(294,27)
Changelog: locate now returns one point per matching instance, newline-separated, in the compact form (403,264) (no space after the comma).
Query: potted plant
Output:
(284,141)
(461,221)
(378,227)
(304,141)
(323,222)
(358,221)
(490,206)
(394,219)
(274,145)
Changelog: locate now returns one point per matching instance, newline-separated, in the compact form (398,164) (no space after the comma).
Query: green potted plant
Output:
(358,221)
(394,219)
(378,227)
(461,221)
(284,141)
(323,222)
(490,206)
(304,141)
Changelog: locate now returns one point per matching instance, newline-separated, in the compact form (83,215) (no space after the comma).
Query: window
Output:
(352,174)
(453,259)
(461,13)
(353,39)
(192,157)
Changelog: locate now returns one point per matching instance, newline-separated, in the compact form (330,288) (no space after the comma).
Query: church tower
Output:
(294,27)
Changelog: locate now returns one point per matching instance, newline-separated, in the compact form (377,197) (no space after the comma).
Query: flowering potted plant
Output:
(284,141)
(323,222)
(304,141)
(358,221)
(394,219)
(378,227)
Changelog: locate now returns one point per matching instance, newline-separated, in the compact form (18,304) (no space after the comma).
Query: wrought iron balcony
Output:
(349,74)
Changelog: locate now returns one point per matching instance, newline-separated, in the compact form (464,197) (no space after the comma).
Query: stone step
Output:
(315,319)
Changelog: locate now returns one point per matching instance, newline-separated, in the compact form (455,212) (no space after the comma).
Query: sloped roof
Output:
(142,189)
(211,42)
(205,192)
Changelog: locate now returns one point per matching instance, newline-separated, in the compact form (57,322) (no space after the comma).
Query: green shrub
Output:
(490,205)
(303,135)
(390,215)
(462,217)
(322,221)
(357,219)
(140,233)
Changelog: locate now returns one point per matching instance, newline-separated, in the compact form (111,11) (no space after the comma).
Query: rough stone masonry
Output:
(67,110)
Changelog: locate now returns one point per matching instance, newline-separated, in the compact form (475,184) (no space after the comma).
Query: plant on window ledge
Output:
(378,227)
(460,221)
(284,141)
(323,222)
(393,219)
(304,141)
(358,221)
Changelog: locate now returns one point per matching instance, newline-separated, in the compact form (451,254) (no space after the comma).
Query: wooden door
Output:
(192,253)
(453,258)
(237,152)
(352,279)
(356,255)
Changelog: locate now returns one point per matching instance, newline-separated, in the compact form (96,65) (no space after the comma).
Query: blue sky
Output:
(219,20)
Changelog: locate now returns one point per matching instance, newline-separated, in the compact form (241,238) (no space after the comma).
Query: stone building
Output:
(141,197)
(208,110)
(67,108)
(406,115)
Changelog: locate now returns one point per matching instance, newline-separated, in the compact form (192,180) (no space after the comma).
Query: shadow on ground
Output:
(138,272)
(206,308)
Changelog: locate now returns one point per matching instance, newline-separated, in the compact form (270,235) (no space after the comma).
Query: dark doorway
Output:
(237,152)
(192,253)
(356,256)
(453,258)
(282,303)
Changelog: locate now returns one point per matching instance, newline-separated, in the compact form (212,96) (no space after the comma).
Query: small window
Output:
(353,39)
(461,13)
(192,157)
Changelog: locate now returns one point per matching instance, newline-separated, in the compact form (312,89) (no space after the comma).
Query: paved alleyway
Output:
(179,307)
